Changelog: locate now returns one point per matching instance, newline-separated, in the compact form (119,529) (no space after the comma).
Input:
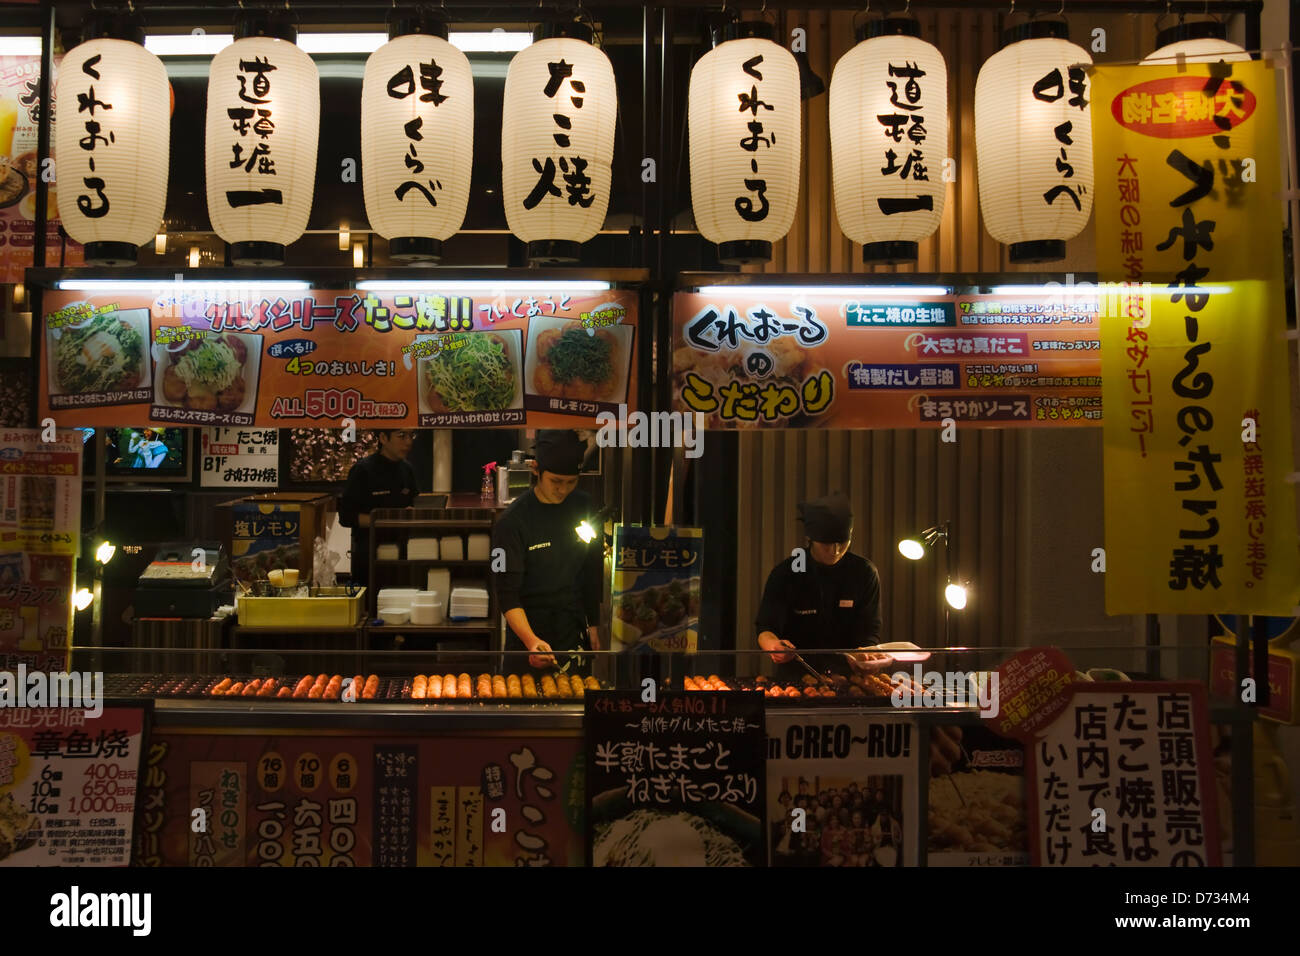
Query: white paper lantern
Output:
(1033,143)
(112,147)
(744,131)
(557,142)
(889,139)
(263,126)
(1198,42)
(417,144)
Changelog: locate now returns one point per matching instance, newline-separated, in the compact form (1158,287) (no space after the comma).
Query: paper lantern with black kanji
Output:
(263,126)
(1033,142)
(744,133)
(1202,41)
(557,142)
(889,139)
(417,149)
(112,147)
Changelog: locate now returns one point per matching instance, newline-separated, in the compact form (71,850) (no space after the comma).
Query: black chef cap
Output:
(560,451)
(827,519)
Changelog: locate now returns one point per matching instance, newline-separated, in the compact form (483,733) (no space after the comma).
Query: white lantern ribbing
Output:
(417,150)
(263,125)
(743,116)
(1201,41)
(112,145)
(557,142)
(889,139)
(1033,142)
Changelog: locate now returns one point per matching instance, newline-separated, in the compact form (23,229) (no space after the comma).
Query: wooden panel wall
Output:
(902,481)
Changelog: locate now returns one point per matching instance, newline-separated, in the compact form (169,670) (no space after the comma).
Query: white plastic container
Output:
(395,615)
(468,603)
(396,597)
(422,549)
(388,552)
(423,614)
(478,547)
(452,547)
(440,583)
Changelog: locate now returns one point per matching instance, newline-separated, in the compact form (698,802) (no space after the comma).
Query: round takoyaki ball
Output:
(173,385)
(201,398)
(232,396)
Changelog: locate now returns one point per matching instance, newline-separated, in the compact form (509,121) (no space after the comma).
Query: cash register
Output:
(185,579)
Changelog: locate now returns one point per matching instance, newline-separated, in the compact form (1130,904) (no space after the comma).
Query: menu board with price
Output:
(240,457)
(675,781)
(68,784)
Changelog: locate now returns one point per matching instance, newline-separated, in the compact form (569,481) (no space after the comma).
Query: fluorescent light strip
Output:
(20,46)
(854,291)
(482,285)
(210,44)
(1109,289)
(151,285)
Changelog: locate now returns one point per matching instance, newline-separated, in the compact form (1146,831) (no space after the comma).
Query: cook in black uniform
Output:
(551,586)
(382,480)
(833,602)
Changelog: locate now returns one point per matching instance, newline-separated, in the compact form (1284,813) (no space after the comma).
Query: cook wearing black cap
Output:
(551,585)
(828,598)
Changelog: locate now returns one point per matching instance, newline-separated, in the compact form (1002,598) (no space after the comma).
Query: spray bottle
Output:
(489,490)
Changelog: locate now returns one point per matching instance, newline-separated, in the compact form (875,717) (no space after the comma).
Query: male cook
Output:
(828,598)
(382,480)
(551,585)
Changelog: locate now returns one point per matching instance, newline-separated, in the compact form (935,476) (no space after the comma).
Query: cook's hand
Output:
(945,749)
(593,637)
(866,661)
(540,656)
(776,644)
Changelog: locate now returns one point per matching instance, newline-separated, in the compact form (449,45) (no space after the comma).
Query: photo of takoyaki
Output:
(566,359)
(210,373)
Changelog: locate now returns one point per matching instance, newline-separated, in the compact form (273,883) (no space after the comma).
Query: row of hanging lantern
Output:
(888,134)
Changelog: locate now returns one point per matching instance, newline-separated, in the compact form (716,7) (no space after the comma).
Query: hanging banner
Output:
(842,790)
(40,527)
(352,799)
(20,118)
(752,359)
(1125,777)
(183,355)
(1199,518)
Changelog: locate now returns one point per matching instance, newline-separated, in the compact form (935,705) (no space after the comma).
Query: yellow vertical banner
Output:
(1197,424)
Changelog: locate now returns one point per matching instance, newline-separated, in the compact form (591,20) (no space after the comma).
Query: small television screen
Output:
(147,454)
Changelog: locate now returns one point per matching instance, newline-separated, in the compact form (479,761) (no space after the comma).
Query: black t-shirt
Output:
(374,482)
(547,566)
(823,606)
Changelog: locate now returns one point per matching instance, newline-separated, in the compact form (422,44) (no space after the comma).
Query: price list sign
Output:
(68,784)
(675,781)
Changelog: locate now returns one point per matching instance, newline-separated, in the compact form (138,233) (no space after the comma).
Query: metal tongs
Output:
(812,670)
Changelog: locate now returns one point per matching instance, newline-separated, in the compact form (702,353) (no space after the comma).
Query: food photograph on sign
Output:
(101,359)
(470,372)
(207,372)
(574,363)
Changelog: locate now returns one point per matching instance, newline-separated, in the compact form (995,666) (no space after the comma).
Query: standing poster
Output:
(20,118)
(240,457)
(1125,776)
(656,587)
(754,358)
(69,779)
(40,533)
(185,354)
(977,798)
(675,781)
(266,536)
(842,790)
(1199,517)
(362,800)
